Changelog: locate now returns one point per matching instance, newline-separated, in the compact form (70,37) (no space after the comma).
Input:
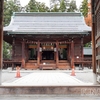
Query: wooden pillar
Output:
(57,56)
(69,49)
(54,52)
(27,54)
(23,54)
(13,48)
(72,54)
(54,56)
(93,41)
(13,52)
(38,54)
(82,55)
(93,48)
(1,37)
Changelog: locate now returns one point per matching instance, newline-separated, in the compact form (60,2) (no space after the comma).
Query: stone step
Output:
(47,97)
(51,90)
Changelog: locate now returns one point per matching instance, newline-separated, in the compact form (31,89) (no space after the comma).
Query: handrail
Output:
(83,59)
(10,63)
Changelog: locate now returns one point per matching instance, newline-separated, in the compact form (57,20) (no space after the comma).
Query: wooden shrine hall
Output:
(47,40)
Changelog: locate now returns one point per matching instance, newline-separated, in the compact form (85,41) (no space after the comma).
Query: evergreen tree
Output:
(84,7)
(42,7)
(6,50)
(9,7)
(72,6)
(54,4)
(87,44)
(32,7)
(62,7)
(84,10)
(55,9)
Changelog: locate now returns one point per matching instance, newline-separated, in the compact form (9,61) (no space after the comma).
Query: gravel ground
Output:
(85,75)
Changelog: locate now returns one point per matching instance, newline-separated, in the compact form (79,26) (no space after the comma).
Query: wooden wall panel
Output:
(18,52)
(26,52)
(77,50)
(96,36)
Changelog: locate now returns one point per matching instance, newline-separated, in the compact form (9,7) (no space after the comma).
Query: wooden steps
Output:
(63,61)
(31,65)
(33,61)
(63,65)
(45,64)
(47,61)
(48,66)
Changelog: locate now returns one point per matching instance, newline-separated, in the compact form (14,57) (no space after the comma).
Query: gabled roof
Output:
(47,22)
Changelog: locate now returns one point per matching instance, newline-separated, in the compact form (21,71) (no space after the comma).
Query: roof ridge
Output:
(47,14)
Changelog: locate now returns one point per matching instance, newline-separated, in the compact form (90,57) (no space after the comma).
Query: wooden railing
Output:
(85,62)
(13,64)
(10,63)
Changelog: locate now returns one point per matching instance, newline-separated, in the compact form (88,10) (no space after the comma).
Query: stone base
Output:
(63,90)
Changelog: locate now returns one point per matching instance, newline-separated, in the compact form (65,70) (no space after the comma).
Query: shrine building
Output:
(47,40)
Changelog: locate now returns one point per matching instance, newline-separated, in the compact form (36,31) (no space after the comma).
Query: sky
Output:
(25,2)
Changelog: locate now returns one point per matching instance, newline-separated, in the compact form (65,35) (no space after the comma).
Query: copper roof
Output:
(47,23)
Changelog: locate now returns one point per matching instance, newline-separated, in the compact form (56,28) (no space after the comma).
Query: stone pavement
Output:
(46,78)
(46,97)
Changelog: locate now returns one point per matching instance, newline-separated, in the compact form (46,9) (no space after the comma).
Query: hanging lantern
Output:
(52,47)
(77,57)
(55,49)
(44,47)
(40,49)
